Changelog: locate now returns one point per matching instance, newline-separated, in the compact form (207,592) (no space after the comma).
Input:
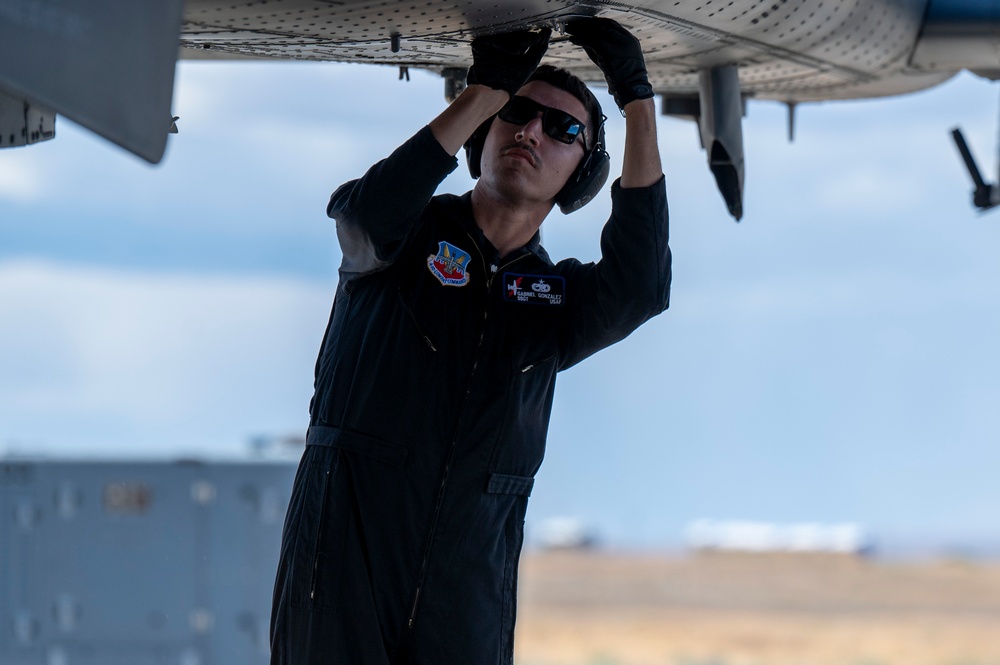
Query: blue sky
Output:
(831,358)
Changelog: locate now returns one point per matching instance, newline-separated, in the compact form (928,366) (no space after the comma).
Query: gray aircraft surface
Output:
(109,66)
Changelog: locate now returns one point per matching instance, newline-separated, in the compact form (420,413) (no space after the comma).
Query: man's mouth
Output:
(520,152)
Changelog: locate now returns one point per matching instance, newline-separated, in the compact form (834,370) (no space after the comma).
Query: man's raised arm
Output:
(631,282)
(375,213)
(619,56)
(500,66)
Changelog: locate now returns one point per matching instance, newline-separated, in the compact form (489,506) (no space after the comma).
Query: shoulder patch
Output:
(547,290)
(450,265)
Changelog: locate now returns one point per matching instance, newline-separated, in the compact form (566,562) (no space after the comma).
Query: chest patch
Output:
(450,265)
(546,290)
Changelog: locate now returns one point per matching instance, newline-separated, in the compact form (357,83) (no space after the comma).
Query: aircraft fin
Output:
(721,124)
(717,109)
(105,64)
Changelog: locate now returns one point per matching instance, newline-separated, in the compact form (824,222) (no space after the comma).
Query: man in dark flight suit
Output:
(435,379)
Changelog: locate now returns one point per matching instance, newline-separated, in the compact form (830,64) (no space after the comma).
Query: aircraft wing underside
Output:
(706,57)
(789,50)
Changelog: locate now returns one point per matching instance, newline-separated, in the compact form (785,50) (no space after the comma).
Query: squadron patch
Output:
(450,265)
(534,289)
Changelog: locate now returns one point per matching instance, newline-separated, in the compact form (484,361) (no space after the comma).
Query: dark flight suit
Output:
(434,386)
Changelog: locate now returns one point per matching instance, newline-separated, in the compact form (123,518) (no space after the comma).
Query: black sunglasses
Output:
(555,123)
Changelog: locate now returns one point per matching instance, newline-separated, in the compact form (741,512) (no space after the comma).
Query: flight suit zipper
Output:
(454,441)
(322,516)
(528,368)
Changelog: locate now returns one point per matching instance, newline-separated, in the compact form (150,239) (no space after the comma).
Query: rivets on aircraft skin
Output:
(842,41)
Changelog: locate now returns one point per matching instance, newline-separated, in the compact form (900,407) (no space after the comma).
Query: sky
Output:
(831,358)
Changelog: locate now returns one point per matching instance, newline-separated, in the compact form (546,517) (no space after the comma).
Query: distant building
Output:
(744,536)
(136,563)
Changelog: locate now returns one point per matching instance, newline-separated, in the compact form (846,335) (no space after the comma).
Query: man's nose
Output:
(532,129)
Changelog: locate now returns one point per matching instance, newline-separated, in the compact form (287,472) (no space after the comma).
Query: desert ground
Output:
(594,608)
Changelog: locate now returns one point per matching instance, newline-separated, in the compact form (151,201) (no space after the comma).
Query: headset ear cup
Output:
(474,148)
(586,181)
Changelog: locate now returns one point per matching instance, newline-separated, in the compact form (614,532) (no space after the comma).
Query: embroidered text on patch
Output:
(534,289)
(450,265)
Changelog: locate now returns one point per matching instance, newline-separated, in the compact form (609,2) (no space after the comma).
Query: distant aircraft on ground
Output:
(109,66)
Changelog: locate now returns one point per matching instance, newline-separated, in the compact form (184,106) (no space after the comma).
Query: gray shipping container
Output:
(135,563)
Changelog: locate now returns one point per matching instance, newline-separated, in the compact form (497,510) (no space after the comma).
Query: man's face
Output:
(523,163)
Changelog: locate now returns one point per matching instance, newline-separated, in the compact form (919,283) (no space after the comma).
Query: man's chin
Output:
(514,180)
(511,195)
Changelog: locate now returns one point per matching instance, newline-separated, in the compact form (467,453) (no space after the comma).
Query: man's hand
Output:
(500,65)
(505,61)
(618,54)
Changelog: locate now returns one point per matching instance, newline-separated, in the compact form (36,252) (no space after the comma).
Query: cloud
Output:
(155,360)
(20,175)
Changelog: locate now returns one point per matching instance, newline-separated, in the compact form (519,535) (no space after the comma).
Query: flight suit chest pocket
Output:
(520,444)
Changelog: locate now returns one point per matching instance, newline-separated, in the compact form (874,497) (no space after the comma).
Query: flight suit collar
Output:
(490,253)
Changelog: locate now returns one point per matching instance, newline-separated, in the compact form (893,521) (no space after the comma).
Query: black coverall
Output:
(434,386)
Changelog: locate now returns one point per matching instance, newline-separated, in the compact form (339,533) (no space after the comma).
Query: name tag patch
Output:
(534,289)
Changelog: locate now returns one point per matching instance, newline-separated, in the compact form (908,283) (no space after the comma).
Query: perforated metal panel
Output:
(786,49)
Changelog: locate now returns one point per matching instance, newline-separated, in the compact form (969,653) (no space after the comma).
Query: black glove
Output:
(618,53)
(506,60)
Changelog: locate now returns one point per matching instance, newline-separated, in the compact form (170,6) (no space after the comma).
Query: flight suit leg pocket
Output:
(518,489)
(321,534)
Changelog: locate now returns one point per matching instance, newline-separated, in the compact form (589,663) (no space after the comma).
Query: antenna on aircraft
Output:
(985,195)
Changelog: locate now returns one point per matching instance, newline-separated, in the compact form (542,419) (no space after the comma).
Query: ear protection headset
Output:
(582,186)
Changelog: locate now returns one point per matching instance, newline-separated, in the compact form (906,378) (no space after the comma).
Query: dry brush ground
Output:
(589,608)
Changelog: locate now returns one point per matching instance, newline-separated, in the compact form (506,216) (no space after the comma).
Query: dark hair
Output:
(564,80)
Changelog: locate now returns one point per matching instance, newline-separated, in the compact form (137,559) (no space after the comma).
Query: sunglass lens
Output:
(519,111)
(555,123)
(561,126)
